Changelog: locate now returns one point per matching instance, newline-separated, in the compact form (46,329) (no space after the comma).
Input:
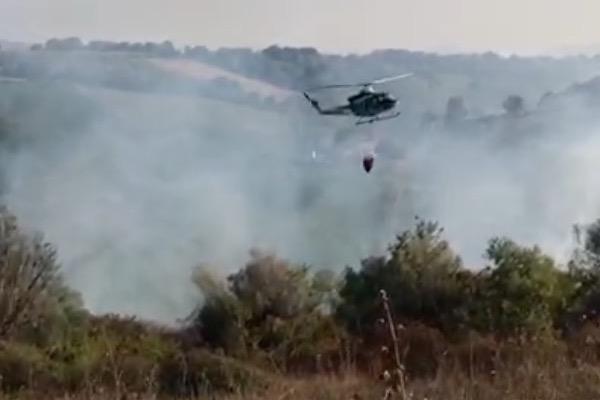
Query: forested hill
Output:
(271,75)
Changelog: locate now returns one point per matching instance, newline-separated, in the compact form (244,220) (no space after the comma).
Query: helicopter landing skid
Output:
(376,119)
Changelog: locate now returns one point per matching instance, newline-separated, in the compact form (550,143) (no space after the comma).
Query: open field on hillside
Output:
(175,108)
(104,68)
(204,71)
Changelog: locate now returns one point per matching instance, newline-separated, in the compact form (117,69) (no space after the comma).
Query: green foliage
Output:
(584,271)
(456,109)
(422,275)
(278,316)
(200,372)
(270,308)
(221,319)
(523,291)
(35,303)
(124,355)
(514,105)
(587,254)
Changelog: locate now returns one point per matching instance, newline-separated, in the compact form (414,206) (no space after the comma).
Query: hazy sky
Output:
(331,25)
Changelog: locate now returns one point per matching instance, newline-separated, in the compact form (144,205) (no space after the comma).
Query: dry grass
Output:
(525,382)
(481,368)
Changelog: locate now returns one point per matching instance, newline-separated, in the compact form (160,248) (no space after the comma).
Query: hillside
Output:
(101,146)
(483,80)
(135,72)
(12,45)
(204,71)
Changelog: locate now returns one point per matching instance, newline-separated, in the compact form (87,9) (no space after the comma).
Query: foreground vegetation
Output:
(413,323)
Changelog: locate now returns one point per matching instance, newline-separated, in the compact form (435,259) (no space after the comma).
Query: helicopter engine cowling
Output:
(368,89)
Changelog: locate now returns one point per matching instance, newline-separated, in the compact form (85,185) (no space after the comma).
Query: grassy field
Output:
(114,68)
(185,110)
(206,72)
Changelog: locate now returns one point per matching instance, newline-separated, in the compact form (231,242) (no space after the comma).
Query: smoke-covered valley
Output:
(137,173)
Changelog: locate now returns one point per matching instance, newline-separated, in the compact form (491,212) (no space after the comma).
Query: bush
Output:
(269,308)
(200,372)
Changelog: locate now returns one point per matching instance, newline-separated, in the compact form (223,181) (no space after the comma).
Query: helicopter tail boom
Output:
(342,110)
(314,103)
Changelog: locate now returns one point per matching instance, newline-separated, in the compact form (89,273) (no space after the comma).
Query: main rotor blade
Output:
(362,84)
(334,87)
(391,78)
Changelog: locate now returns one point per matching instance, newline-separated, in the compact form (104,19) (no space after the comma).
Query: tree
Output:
(166,49)
(524,291)
(514,106)
(584,270)
(270,306)
(423,277)
(67,44)
(588,239)
(222,318)
(33,297)
(456,109)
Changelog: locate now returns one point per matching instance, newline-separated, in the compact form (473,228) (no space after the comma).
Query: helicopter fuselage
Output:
(369,103)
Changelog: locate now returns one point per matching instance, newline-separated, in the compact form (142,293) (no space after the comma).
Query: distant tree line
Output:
(164,49)
(303,63)
(517,87)
(121,73)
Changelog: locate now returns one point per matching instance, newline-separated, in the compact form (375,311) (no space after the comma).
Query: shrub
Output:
(271,307)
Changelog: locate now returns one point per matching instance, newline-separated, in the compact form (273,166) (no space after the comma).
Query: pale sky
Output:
(329,25)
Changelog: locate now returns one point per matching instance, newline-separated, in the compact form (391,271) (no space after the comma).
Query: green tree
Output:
(587,252)
(524,291)
(584,270)
(35,303)
(514,105)
(424,278)
(456,109)
(270,306)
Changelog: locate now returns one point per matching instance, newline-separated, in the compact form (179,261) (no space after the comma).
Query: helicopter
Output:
(368,105)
